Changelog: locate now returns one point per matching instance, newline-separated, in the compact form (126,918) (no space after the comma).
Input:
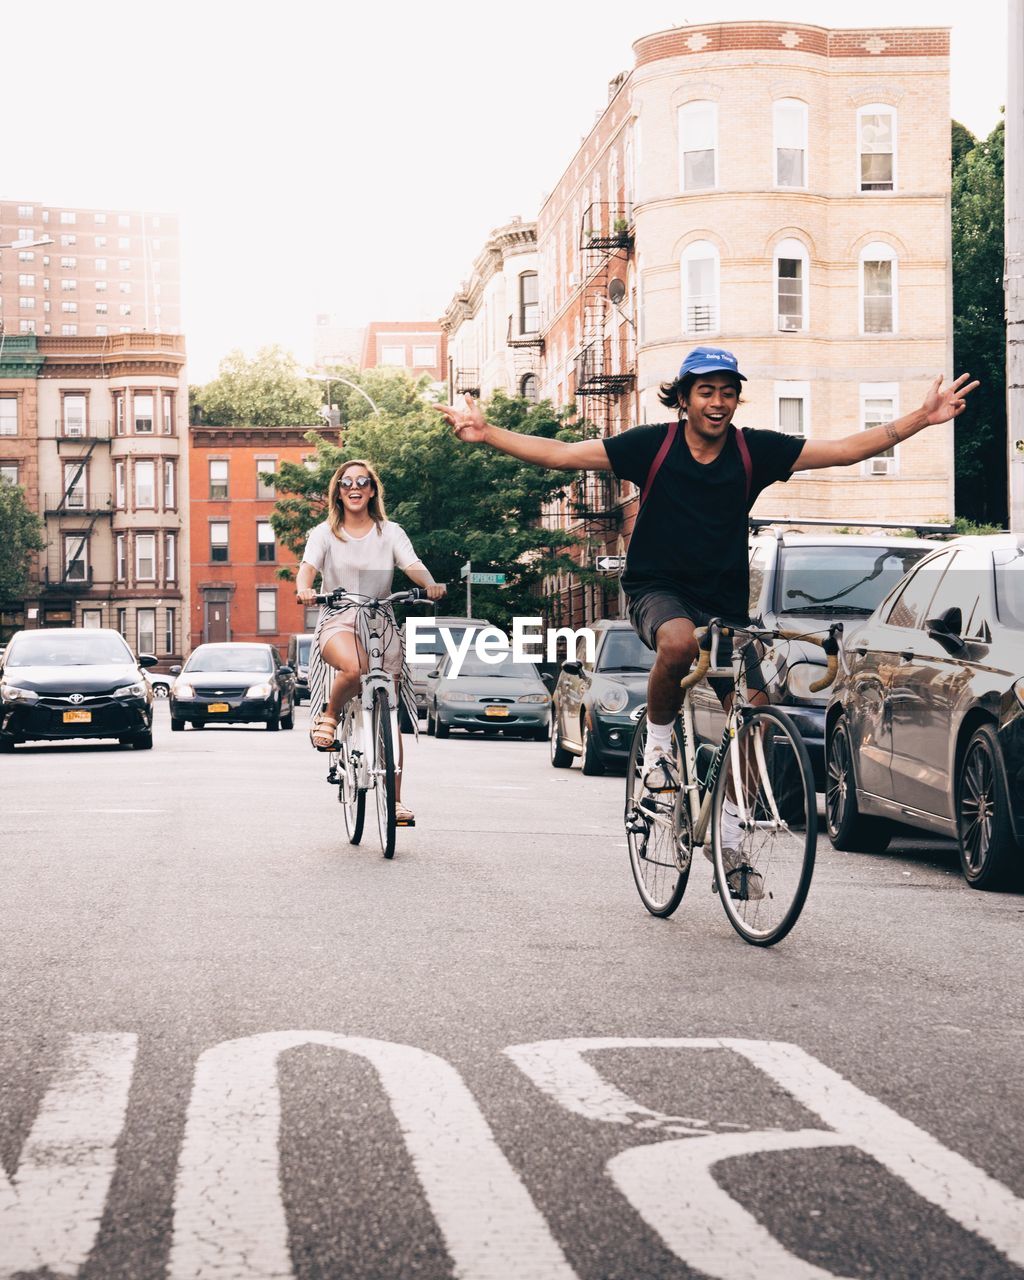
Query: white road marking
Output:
(50,1210)
(963,1192)
(229,1219)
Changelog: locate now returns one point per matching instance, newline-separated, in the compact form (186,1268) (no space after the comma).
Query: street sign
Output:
(483,579)
(609,564)
(466,569)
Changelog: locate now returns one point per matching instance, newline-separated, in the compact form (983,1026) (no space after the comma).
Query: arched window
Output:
(879,280)
(700,280)
(528,387)
(529,303)
(876,147)
(791,286)
(789,117)
(698,146)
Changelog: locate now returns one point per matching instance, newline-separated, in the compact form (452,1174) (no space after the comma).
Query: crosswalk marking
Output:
(50,1209)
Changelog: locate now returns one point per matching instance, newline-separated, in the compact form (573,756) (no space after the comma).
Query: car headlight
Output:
(801,676)
(613,699)
(532,697)
(15,693)
(455,696)
(131,691)
(259,691)
(182,689)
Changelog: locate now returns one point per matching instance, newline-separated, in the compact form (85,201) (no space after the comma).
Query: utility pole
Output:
(1014,267)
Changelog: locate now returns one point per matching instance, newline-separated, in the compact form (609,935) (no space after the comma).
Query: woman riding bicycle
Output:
(356,549)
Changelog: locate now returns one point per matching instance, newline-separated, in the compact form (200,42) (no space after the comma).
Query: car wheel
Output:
(298,700)
(288,721)
(560,758)
(6,745)
(593,765)
(177,726)
(442,730)
(142,742)
(430,724)
(984,832)
(160,691)
(848,828)
(274,723)
(198,724)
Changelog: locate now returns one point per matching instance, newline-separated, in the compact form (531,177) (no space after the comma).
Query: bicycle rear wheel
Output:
(660,847)
(384,769)
(764,872)
(351,796)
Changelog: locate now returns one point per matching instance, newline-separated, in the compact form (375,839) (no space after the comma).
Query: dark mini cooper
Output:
(234,683)
(60,683)
(926,725)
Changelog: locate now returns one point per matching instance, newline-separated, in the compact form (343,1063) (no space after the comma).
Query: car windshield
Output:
(1010,587)
(85,650)
(473,665)
(826,581)
(428,641)
(624,651)
(224,658)
(304,651)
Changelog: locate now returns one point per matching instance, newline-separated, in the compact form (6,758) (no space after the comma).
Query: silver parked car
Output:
(507,697)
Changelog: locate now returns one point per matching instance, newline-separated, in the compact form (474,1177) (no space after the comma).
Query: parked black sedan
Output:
(234,683)
(926,724)
(595,706)
(61,683)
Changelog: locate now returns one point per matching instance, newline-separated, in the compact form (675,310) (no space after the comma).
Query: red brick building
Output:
(421,346)
(236,593)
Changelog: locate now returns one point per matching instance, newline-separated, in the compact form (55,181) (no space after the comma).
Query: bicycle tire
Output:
(765,885)
(384,767)
(353,804)
(660,855)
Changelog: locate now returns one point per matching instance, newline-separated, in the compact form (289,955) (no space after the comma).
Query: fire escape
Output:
(76,509)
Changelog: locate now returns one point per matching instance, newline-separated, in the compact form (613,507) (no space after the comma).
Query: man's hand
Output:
(468,424)
(941,406)
(436,590)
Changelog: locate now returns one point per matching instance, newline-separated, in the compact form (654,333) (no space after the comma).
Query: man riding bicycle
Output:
(699,477)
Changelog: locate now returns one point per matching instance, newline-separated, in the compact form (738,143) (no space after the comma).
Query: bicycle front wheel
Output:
(351,796)
(764,850)
(660,848)
(384,772)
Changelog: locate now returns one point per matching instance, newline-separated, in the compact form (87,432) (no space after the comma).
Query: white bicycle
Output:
(364,755)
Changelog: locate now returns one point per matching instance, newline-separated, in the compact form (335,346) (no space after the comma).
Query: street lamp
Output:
(335,377)
(28,244)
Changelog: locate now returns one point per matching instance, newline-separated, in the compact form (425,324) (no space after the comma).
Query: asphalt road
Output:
(233,1045)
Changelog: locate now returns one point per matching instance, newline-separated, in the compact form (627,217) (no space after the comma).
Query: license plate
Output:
(217,706)
(497,712)
(77,717)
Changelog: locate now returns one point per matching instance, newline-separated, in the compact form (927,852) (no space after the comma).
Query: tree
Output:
(21,533)
(266,391)
(457,502)
(979,325)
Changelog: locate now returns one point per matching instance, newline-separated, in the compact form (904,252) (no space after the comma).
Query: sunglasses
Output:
(360,482)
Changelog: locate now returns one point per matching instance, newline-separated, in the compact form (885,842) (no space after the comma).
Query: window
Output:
(125,286)
(700,272)
(266,610)
(8,416)
(218,540)
(145,483)
(265,466)
(26,281)
(99,217)
(169,629)
(878,277)
(101,287)
(167,404)
(218,477)
(120,562)
(101,264)
(876,142)
(67,241)
(68,330)
(101,331)
(528,388)
(69,262)
(791,286)
(393,356)
(698,129)
(27,304)
(145,630)
(142,406)
(123,242)
(26,255)
(124,263)
(9,472)
(122,622)
(145,557)
(74,415)
(29,326)
(265,546)
(118,398)
(125,310)
(26,210)
(792,408)
(69,308)
(120,500)
(171,557)
(101,308)
(67,219)
(76,557)
(879,403)
(169,485)
(911,605)
(101,243)
(424,357)
(790,122)
(529,303)
(68,285)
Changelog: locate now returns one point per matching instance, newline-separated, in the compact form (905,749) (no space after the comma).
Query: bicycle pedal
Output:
(405,822)
(332,777)
(637,823)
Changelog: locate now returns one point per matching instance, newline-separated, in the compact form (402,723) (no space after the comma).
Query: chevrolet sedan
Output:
(505,696)
(234,683)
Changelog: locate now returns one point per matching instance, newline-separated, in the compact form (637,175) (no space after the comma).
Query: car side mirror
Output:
(549,680)
(946,629)
(175,671)
(148,660)
(285,670)
(572,668)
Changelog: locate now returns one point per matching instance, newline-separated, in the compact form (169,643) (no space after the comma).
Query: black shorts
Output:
(652,607)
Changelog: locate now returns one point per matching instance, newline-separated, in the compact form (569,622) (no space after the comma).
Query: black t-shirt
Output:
(691,534)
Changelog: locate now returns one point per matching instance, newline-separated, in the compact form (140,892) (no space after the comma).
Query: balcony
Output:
(594,376)
(607,226)
(466,382)
(78,504)
(522,337)
(58,580)
(78,432)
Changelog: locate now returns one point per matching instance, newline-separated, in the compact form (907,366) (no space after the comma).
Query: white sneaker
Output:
(661,780)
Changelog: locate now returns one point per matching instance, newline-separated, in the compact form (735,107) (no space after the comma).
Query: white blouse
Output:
(365,566)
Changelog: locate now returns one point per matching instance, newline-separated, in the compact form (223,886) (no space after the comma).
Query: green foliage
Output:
(21,533)
(266,391)
(979,327)
(962,526)
(456,501)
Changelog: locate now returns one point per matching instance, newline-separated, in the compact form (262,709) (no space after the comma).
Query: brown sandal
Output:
(323,732)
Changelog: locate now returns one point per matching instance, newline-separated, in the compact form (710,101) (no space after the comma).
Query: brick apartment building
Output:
(417,345)
(236,593)
(92,429)
(104,271)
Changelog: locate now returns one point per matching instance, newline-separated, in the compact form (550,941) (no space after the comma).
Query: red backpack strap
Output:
(659,458)
(748,466)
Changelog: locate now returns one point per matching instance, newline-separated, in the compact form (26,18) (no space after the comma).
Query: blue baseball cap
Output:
(710,360)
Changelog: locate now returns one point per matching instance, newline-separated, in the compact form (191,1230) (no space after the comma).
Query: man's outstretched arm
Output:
(470,425)
(939,406)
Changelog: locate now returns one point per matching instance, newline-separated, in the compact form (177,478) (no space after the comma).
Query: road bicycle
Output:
(363,758)
(762,768)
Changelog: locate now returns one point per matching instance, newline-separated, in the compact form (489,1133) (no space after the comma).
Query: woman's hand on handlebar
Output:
(436,590)
(305,595)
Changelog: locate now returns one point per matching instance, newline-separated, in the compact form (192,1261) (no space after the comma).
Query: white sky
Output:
(352,159)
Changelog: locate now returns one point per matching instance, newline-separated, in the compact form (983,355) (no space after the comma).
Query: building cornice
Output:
(227,437)
(786,38)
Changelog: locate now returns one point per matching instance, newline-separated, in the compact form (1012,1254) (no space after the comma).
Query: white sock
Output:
(659,743)
(732,832)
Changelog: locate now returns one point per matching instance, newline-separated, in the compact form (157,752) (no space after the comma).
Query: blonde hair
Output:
(335,510)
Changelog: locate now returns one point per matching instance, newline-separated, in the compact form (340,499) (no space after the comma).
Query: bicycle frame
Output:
(370,681)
